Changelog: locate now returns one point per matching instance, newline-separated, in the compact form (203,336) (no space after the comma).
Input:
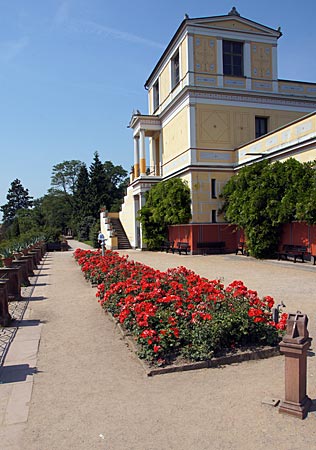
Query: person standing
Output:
(101,238)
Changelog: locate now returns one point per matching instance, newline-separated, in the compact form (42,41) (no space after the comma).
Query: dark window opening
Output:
(214,216)
(175,70)
(233,63)
(213,187)
(261,126)
(156,95)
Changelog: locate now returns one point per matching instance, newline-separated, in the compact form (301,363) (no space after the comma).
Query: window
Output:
(156,95)
(214,216)
(233,58)
(261,126)
(213,187)
(175,70)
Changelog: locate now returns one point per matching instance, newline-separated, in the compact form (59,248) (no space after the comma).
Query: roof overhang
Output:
(150,124)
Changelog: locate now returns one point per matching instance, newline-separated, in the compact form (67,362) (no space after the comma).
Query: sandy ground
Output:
(90,392)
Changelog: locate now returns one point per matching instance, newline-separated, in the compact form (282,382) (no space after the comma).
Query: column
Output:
(220,70)
(190,59)
(153,157)
(136,156)
(247,65)
(142,202)
(160,154)
(275,83)
(136,243)
(142,159)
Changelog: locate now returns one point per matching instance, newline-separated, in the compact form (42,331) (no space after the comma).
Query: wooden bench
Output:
(294,251)
(53,246)
(242,248)
(210,247)
(64,246)
(183,247)
(167,245)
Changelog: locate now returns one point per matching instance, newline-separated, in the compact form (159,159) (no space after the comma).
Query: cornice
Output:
(194,93)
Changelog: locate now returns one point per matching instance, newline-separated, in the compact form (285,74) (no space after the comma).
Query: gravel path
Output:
(90,392)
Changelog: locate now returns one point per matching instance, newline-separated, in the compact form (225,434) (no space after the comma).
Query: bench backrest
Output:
(168,243)
(183,244)
(219,244)
(294,248)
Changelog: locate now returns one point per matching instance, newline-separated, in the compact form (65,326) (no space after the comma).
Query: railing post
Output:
(294,346)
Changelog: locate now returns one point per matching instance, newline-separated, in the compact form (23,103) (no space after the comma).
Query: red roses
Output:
(177,311)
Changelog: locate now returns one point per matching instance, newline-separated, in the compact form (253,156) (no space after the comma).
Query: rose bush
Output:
(177,312)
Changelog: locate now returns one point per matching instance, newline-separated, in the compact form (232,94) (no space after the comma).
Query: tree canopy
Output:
(263,196)
(17,198)
(72,203)
(65,174)
(107,185)
(167,203)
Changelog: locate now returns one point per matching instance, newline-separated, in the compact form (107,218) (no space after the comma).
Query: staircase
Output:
(123,242)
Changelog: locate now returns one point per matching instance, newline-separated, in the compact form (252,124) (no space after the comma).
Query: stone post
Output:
(5,317)
(24,271)
(294,346)
(13,275)
(30,264)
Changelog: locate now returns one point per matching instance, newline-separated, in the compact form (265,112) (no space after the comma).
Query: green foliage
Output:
(84,226)
(117,183)
(56,210)
(98,192)
(71,205)
(82,201)
(167,203)
(93,234)
(64,176)
(107,185)
(263,196)
(17,198)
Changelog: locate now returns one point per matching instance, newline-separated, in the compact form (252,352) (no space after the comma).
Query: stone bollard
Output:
(30,264)
(294,346)
(24,271)
(5,317)
(14,281)
(35,258)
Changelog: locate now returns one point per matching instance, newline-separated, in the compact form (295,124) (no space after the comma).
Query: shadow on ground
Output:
(16,373)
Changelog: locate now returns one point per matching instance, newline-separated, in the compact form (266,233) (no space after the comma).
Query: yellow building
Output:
(214,90)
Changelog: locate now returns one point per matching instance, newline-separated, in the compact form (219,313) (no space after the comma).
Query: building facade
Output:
(211,96)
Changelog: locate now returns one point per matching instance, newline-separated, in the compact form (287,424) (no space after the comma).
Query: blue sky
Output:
(72,72)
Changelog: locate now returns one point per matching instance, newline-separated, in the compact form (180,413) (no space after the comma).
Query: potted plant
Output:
(7,256)
(18,250)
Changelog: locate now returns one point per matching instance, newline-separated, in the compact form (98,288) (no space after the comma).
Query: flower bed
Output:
(177,313)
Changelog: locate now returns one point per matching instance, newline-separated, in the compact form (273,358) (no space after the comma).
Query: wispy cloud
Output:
(105,31)
(62,13)
(11,49)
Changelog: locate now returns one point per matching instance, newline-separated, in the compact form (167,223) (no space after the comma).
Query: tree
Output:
(263,196)
(167,203)
(56,211)
(82,201)
(99,195)
(18,198)
(117,183)
(64,177)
